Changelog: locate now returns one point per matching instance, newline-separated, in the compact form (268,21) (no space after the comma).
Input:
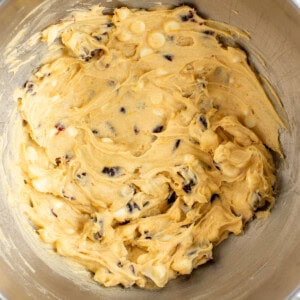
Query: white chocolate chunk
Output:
(138,27)
(31,154)
(156,40)
(124,36)
(146,51)
(170,26)
(122,13)
(72,131)
(41,184)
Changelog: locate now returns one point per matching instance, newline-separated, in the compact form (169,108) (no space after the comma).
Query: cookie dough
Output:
(146,142)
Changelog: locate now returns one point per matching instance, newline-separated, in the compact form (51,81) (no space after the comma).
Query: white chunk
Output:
(35,171)
(122,13)
(250,121)
(121,213)
(138,27)
(209,140)
(156,98)
(236,59)
(41,184)
(188,158)
(31,154)
(124,36)
(72,131)
(156,40)
(69,231)
(145,51)
(161,72)
(55,98)
(58,204)
(171,26)
(183,266)
(159,271)
(126,191)
(107,140)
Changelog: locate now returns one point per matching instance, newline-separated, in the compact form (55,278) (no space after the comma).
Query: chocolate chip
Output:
(110,127)
(208,32)
(111,83)
(214,197)
(86,50)
(68,197)
(158,129)
(260,204)
(146,203)
(203,121)
(109,24)
(265,207)
(68,157)
(96,52)
(169,57)
(172,198)
(124,223)
(187,188)
(53,213)
(29,86)
(64,194)
(119,264)
(136,130)
(185,226)
(135,205)
(81,175)
(123,110)
(148,237)
(192,252)
(98,236)
(95,131)
(60,127)
(187,17)
(176,145)
(217,166)
(129,207)
(58,161)
(132,269)
(257,201)
(98,38)
(111,171)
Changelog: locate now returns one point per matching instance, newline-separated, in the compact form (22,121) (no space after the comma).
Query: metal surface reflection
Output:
(262,264)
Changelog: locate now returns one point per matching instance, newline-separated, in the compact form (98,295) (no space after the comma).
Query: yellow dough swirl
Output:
(145,143)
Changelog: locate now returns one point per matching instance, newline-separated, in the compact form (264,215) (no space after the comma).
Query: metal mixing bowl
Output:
(264,263)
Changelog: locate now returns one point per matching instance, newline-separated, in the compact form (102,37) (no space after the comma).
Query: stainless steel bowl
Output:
(262,264)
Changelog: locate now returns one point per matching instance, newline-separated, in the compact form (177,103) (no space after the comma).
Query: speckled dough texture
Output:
(146,142)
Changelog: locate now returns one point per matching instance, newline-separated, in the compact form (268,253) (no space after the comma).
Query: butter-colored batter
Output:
(145,143)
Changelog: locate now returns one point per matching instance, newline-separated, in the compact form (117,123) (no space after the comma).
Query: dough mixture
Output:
(146,142)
